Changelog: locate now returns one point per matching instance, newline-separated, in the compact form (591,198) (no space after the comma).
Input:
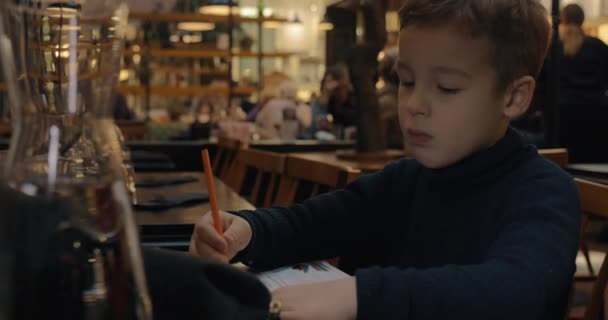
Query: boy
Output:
(478,226)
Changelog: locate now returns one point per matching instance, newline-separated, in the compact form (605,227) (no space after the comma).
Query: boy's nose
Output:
(417,104)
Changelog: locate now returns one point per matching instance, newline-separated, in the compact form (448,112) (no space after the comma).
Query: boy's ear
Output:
(518,97)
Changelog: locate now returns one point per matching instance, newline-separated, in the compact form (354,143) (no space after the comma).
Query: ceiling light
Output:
(325,24)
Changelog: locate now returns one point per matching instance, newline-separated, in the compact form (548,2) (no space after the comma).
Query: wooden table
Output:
(171,229)
(365,165)
(227,200)
(597,172)
(558,155)
(186,154)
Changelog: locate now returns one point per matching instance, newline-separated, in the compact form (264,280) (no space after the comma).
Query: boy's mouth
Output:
(417,137)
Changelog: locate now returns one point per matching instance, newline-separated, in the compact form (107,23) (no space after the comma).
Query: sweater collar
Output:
(482,167)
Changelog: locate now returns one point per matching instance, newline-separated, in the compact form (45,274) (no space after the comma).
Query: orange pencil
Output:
(215,213)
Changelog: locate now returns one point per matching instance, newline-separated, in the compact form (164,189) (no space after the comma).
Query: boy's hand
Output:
(331,300)
(206,242)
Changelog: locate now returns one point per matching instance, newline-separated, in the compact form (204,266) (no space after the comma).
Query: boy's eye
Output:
(448,90)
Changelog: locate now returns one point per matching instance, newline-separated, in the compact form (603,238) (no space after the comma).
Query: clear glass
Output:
(81,256)
(3,156)
(127,166)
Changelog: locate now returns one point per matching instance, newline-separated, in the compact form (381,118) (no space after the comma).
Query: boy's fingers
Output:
(215,241)
(231,236)
(231,241)
(226,218)
(205,233)
(203,250)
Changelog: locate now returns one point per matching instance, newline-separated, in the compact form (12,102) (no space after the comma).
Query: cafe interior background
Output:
(189,63)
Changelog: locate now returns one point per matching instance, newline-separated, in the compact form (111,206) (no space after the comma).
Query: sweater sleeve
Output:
(529,267)
(318,228)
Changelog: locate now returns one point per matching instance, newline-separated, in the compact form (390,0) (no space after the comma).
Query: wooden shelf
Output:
(57,21)
(179,53)
(183,69)
(153,51)
(184,91)
(81,46)
(244,91)
(264,55)
(203,53)
(188,70)
(55,78)
(131,90)
(197,17)
(198,53)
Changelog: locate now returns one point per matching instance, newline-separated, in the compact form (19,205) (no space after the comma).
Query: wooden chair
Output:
(594,202)
(559,156)
(319,174)
(268,166)
(225,155)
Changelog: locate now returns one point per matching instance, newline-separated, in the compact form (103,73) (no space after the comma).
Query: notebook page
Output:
(303,273)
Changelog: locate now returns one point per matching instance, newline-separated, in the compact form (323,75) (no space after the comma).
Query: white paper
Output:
(303,273)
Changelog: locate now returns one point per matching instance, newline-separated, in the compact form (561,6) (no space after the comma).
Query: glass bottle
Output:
(78,254)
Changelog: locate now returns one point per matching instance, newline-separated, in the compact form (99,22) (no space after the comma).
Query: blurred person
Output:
(336,99)
(267,93)
(583,78)
(283,117)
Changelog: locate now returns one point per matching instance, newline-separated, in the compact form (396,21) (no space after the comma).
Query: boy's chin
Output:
(432,161)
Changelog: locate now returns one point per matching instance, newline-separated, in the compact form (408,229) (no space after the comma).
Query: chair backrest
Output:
(319,174)
(558,155)
(227,149)
(594,202)
(268,167)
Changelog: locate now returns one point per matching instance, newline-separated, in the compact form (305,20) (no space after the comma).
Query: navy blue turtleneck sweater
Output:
(492,237)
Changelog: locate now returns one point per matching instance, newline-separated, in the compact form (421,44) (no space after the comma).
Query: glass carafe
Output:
(78,257)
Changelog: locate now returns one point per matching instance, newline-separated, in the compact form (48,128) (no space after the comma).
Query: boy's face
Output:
(449,107)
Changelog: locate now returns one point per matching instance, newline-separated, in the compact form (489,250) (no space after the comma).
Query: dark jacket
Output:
(582,100)
(583,78)
(35,253)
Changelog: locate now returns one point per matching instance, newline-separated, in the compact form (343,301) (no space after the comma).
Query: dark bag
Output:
(186,287)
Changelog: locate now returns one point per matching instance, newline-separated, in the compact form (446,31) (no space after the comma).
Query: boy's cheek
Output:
(403,117)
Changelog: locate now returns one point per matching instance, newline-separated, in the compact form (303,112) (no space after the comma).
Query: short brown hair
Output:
(518,30)
(573,14)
